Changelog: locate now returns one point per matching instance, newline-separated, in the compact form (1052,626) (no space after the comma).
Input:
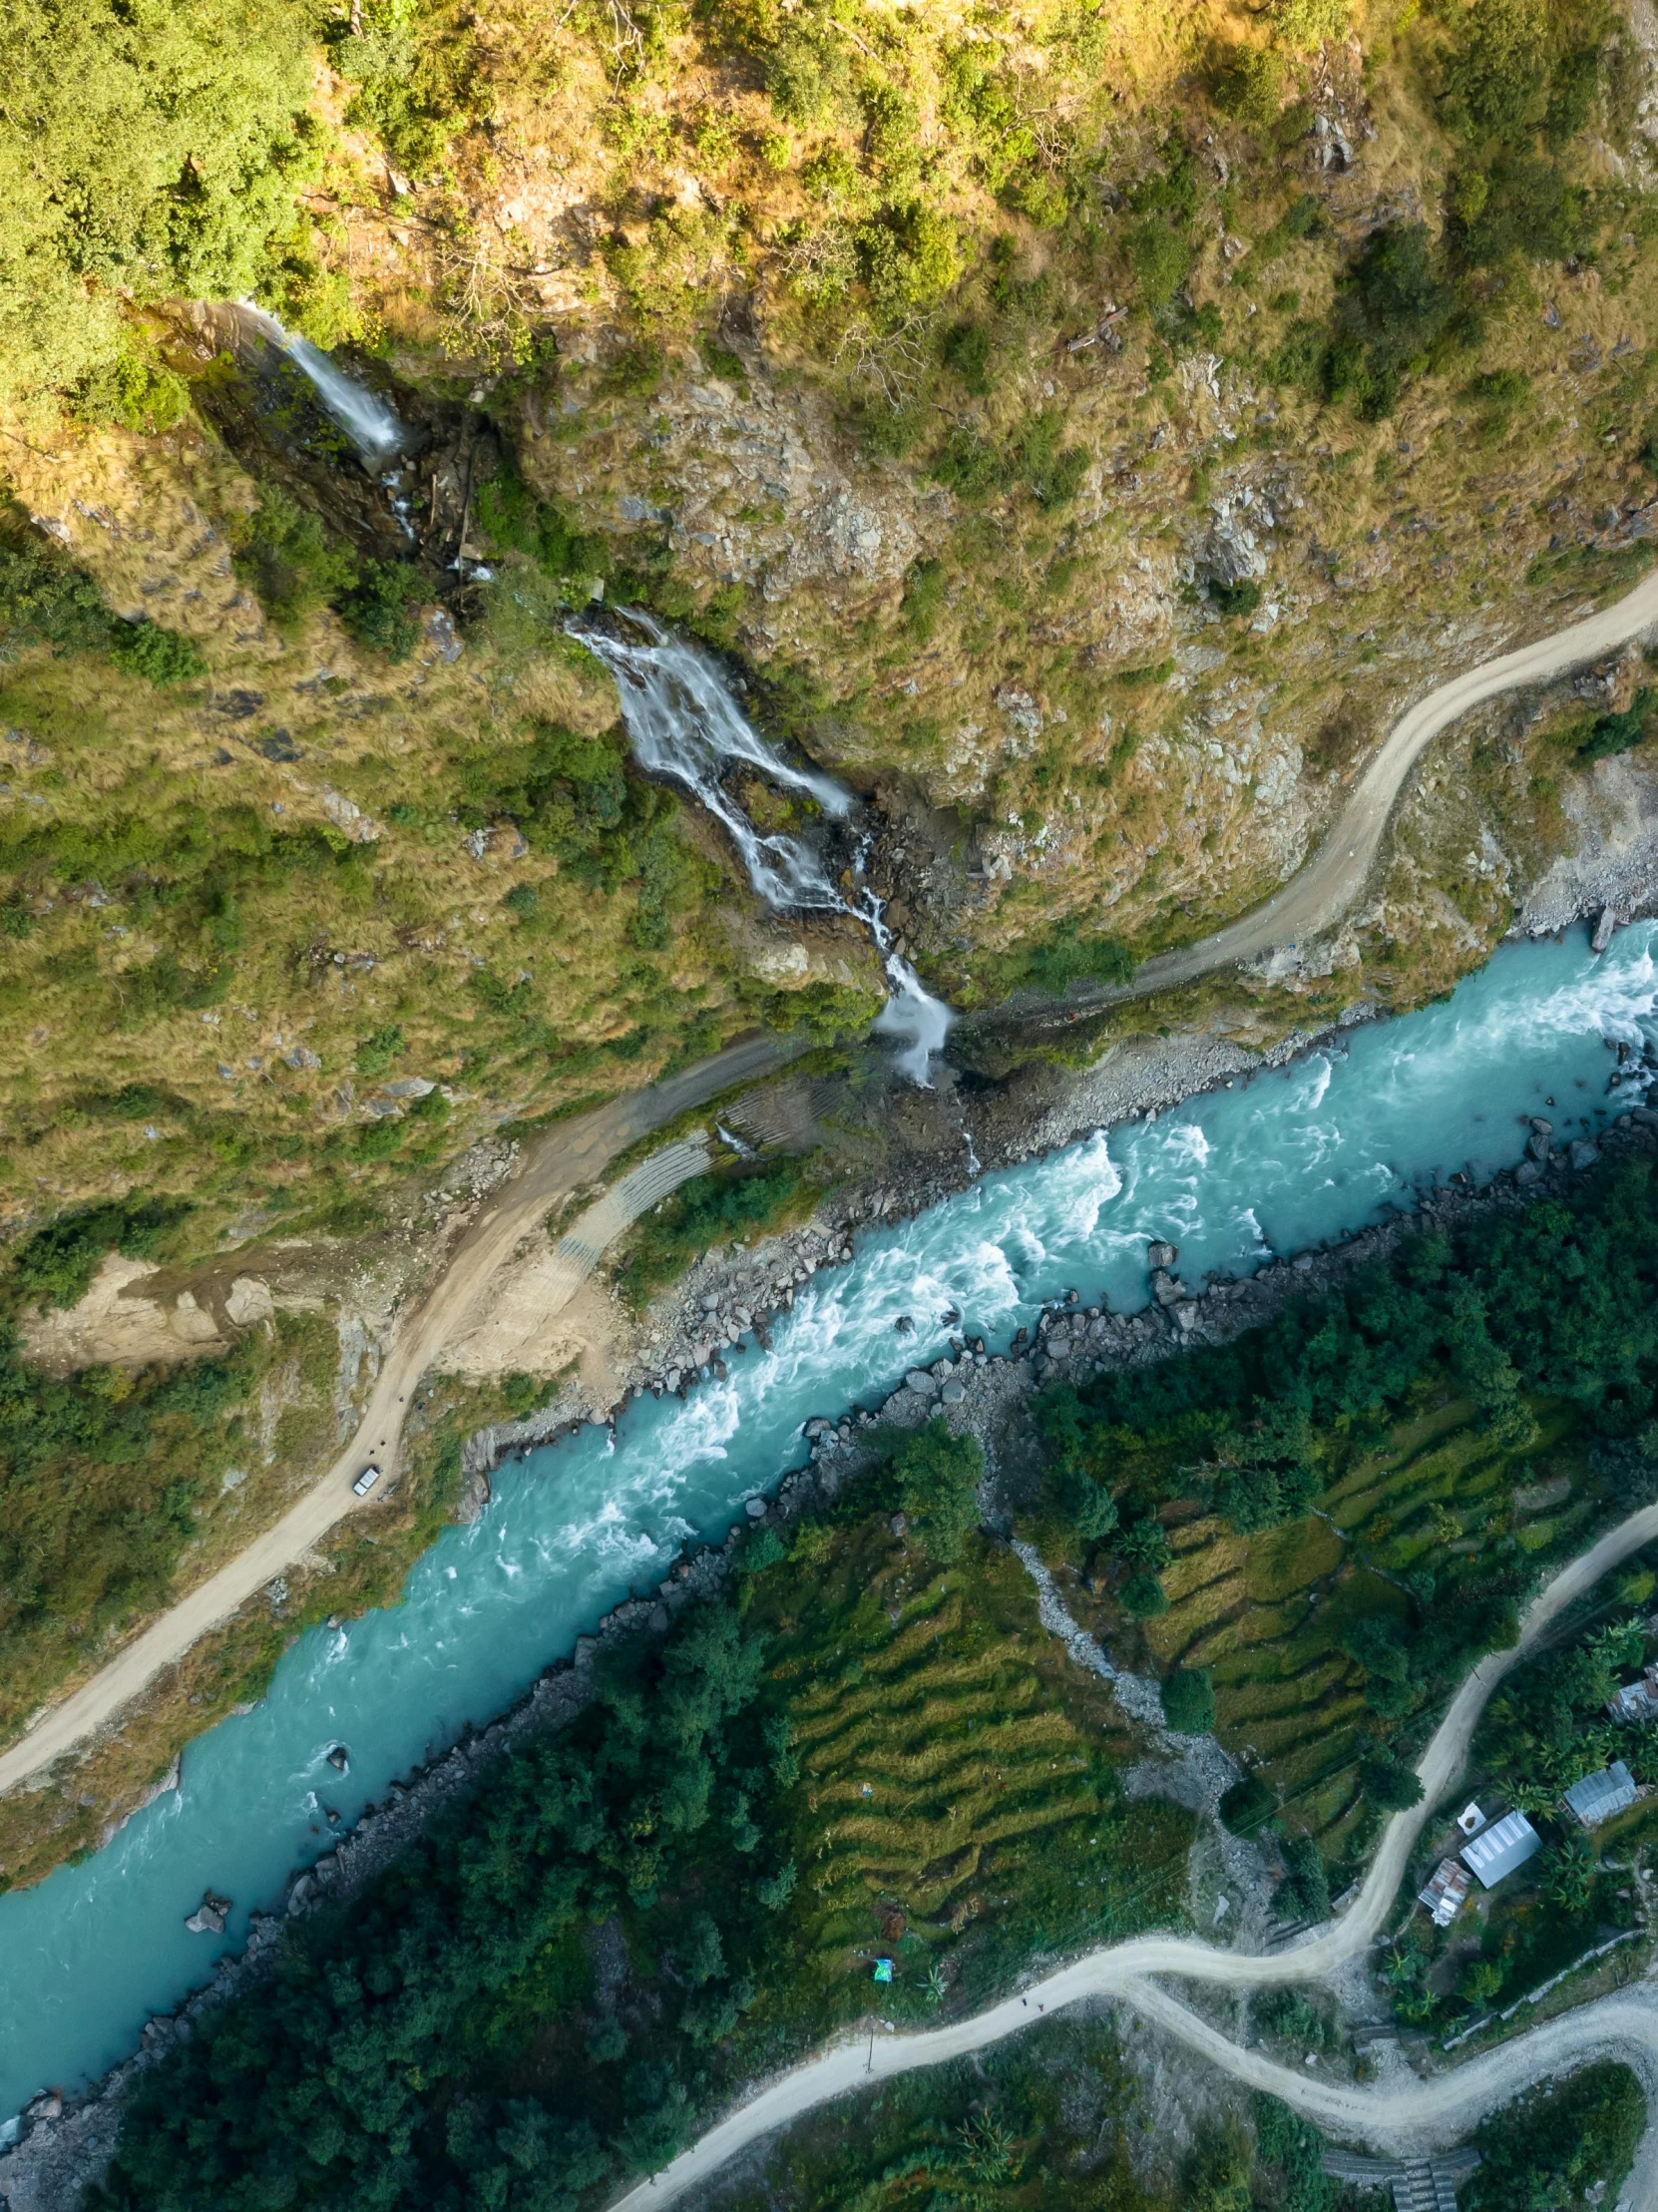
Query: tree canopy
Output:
(148,148)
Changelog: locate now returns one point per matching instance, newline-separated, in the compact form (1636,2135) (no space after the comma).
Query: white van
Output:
(366,1481)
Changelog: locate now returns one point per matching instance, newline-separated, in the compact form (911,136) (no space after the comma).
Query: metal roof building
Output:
(1505,1845)
(1598,1796)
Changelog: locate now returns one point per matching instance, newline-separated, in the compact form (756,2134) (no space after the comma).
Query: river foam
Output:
(1293,1158)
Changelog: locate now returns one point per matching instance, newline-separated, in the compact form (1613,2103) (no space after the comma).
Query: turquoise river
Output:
(1291,1158)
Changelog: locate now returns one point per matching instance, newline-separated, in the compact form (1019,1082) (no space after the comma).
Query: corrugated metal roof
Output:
(1505,1845)
(1598,1796)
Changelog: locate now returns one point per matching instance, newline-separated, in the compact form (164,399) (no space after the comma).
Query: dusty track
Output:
(1316,897)
(564,1158)
(1397,2119)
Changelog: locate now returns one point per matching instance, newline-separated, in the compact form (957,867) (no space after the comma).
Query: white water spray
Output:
(373,426)
(686,726)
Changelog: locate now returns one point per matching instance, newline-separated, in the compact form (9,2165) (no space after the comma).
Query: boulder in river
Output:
(339,1758)
(1159,1254)
(209,1916)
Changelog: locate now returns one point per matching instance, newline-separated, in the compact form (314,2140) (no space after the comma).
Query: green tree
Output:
(938,1476)
(1189,1700)
(1388,1783)
(1304,1892)
(1247,1804)
(1143,1596)
(149,148)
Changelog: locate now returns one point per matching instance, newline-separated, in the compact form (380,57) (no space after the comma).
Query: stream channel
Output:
(1291,1158)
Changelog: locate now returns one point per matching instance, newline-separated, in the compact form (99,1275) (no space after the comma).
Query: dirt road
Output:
(1432,2112)
(1325,887)
(564,1158)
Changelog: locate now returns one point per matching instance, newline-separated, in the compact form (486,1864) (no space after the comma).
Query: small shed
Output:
(1447,1892)
(1505,1845)
(1598,1796)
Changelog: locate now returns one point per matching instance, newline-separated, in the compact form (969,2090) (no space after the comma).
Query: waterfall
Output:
(371,423)
(686,726)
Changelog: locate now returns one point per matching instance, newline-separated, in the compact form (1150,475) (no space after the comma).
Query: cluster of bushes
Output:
(1519,84)
(709,1210)
(297,564)
(45,600)
(1559,2144)
(578,798)
(1612,734)
(189,875)
(416,71)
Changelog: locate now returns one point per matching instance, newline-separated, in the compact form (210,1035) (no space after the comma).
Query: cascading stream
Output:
(371,423)
(685,727)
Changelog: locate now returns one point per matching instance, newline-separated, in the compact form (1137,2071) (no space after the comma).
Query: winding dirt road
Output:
(1316,897)
(577,1151)
(563,1159)
(1404,2118)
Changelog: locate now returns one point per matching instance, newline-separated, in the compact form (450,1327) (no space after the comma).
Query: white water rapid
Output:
(371,423)
(686,726)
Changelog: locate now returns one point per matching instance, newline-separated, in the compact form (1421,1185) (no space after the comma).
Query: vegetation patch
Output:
(709,1210)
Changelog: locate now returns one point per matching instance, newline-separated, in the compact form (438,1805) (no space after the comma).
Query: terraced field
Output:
(958,1803)
(1267,1613)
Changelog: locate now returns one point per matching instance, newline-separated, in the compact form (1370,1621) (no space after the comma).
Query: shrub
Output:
(708,1211)
(46,601)
(1303,24)
(286,553)
(376,1052)
(1304,1892)
(380,1139)
(1069,957)
(1145,1596)
(1615,734)
(969,465)
(967,350)
(923,598)
(378,608)
(132,388)
(1287,2015)
(1499,68)
(1237,598)
(160,656)
(1160,257)
(1189,1701)
(760,1547)
(1248,82)
(1394,309)
(1247,1805)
